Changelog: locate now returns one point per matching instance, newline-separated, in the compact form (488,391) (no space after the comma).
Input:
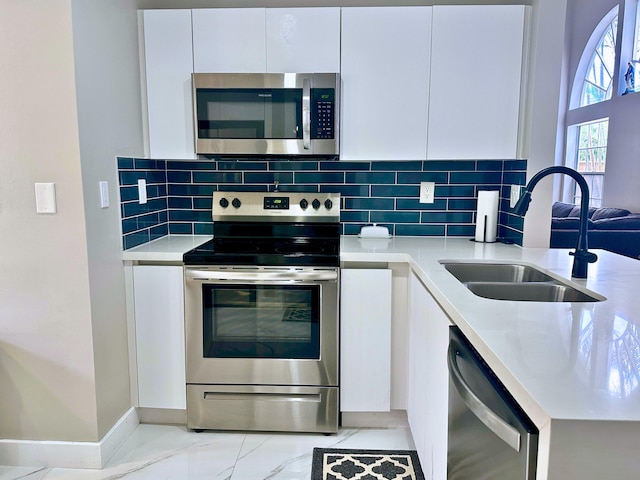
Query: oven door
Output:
(261,325)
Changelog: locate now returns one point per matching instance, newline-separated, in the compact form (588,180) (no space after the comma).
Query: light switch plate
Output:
(45,198)
(104,194)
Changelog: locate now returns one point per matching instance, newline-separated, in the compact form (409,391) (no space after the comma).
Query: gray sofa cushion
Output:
(561,210)
(565,223)
(628,222)
(608,212)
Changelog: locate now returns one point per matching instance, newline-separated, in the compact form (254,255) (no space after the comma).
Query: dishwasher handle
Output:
(497,425)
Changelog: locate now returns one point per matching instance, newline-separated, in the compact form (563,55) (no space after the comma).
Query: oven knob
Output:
(304,203)
(316,204)
(236,203)
(328,204)
(224,203)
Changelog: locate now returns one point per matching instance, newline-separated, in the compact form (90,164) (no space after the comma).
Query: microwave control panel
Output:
(322,113)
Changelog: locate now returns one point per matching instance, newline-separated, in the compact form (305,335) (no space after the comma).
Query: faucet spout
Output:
(581,256)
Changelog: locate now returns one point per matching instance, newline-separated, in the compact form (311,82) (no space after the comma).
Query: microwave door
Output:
(256,114)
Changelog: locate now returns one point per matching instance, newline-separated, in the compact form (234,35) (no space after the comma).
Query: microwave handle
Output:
(306,113)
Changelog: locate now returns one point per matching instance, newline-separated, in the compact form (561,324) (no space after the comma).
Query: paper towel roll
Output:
(487,216)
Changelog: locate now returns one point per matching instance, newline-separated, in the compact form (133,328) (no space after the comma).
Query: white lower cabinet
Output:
(158,301)
(427,399)
(365,340)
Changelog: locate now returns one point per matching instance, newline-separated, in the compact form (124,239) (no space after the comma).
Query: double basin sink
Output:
(516,282)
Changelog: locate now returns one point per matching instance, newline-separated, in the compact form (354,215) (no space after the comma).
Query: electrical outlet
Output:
(142,191)
(427,191)
(515,195)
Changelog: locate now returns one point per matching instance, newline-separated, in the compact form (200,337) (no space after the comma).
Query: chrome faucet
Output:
(581,257)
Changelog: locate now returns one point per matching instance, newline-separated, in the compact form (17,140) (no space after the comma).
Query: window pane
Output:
(597,86)
(590,161)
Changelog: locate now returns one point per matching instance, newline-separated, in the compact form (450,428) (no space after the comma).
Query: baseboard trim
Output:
(391,419)
(163,416)
(47,453)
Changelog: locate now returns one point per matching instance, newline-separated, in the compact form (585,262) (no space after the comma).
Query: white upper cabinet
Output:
(229,40)
(476,70)
(303,40)
(168,62)
(257,40)
(385,82)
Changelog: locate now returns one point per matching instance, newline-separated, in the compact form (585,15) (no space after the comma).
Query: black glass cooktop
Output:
(269,244)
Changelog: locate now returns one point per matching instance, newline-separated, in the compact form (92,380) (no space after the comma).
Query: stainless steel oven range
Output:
(261,313)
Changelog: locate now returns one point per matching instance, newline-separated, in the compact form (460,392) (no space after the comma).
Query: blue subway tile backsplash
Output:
(384,192)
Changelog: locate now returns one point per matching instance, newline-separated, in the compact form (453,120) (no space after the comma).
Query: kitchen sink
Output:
(516,282)
(496,272)
(529,292)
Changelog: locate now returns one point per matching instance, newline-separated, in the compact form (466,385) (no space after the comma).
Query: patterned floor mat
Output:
(339,464)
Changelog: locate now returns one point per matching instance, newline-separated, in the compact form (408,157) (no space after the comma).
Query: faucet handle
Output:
(590,257)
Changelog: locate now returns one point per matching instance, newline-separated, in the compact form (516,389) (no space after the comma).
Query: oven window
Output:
(249,113)
(261,321)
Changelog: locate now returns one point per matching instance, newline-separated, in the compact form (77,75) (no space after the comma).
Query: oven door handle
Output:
(276,276)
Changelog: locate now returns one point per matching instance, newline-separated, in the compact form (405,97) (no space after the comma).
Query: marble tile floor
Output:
(165,452)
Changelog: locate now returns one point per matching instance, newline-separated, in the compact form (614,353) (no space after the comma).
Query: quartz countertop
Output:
(169,248)
(564,361)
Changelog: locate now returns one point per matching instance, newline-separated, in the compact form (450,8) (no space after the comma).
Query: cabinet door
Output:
(428,379)
(476,70)
(418,364)
(365,340)
(303,40)
(168,64)
(229,40)
(385,82)
(159,329)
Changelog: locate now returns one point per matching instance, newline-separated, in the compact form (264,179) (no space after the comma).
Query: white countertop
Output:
(164,249)
(566,361)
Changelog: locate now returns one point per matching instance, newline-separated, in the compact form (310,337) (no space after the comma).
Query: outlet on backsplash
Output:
(514,195)
(427,191)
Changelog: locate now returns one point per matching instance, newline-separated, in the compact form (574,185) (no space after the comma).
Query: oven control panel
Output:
(276,207)
(276,203)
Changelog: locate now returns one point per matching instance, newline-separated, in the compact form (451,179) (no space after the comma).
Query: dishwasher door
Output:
(490,437)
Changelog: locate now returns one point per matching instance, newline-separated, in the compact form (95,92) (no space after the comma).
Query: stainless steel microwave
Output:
(266,113)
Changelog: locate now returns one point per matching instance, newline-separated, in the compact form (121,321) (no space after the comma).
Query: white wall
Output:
(110,124)
(46,355)
(63,365)
(543,131)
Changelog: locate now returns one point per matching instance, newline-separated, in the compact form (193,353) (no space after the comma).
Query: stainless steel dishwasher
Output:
(490,436)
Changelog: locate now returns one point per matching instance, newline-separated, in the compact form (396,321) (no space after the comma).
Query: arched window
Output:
(593,80)
(598,81)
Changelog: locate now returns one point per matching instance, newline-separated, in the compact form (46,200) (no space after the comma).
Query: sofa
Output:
(613,229)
